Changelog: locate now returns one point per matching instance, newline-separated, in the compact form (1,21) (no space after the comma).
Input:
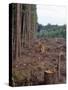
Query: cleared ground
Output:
(30,70)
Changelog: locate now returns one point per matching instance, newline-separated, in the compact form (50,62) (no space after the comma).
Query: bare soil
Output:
(31,68)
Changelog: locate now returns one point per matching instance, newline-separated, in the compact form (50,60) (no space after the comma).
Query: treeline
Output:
(51,31)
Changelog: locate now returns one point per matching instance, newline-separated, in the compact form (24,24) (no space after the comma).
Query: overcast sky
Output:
(51,14)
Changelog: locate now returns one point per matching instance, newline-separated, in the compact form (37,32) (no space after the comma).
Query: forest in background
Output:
(51,31)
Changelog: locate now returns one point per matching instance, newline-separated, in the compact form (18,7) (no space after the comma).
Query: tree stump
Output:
(49,77)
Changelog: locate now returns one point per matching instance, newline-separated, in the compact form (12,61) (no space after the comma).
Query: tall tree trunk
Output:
(29,22)
(13,33)
(18,39)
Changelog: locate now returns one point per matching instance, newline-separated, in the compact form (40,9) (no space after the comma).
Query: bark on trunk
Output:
(18,39)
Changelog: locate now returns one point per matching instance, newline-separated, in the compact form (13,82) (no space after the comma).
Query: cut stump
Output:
(49,77)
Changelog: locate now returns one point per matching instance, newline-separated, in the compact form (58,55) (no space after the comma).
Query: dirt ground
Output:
(34,64)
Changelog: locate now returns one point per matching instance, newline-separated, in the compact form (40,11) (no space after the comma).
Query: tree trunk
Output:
(18,39)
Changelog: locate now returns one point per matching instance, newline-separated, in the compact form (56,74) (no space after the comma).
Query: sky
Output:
(51,14)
